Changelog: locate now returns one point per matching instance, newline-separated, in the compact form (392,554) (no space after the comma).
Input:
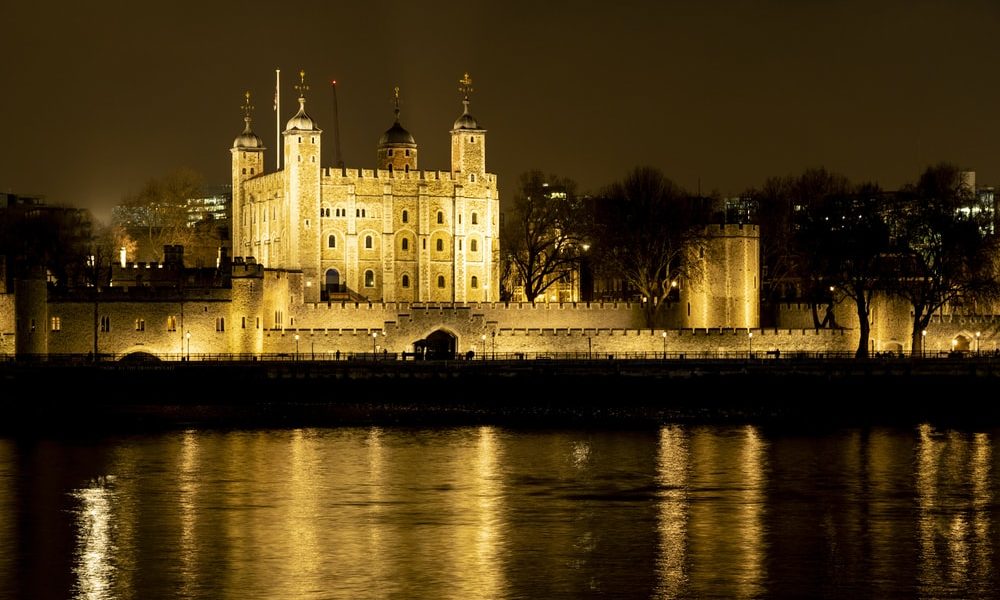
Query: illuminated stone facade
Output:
(334,261)
(393,233)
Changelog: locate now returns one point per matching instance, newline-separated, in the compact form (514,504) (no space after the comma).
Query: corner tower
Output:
(397,150)
(302,196)
(468,141)
(248,162)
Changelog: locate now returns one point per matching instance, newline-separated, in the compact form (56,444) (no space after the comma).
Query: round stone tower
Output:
(723,286)
(248,162)
(31,314)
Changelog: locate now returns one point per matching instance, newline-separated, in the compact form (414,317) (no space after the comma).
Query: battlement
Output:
(346,175)
(732,230)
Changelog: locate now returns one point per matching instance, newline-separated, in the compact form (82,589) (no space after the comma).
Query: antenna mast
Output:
(338,160)
(277,119)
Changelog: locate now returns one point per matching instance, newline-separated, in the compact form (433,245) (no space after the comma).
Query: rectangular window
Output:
(258,322)
(171,323)
(140,325)
(105,324)
(243,322)
(56,324)
(220,324)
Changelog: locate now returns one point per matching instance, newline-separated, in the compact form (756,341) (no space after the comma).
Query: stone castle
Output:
(331,262)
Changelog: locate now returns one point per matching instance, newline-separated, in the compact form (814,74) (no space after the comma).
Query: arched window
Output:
(405,244)
(440,217)
(369,278)
(440,281)
(440,245)
(406,280)
(406,216)
(331,241)
(368,241)
(473,246)
(475,282)
(475,218)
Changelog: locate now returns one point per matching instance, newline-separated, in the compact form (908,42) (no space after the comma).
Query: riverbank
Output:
(517,392)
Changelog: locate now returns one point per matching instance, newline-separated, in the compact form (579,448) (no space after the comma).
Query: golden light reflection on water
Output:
(187,497)
(727,494)
(954,496)
(672,480)
(490,541)
(753,501)
(95,548)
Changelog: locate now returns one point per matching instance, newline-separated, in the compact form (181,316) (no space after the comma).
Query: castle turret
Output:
(248,162)
(723,286)
(468,141)
(31,314)
(397,150)
(295,238)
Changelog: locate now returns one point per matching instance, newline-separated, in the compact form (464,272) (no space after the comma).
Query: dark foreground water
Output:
(485,512)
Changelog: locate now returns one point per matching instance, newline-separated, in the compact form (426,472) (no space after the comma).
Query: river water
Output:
(484,512)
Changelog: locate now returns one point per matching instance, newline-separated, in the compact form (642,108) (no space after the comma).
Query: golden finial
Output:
(466,85)
(247,107)
(301,87)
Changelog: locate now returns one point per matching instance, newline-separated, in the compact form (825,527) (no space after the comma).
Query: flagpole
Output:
(277,119)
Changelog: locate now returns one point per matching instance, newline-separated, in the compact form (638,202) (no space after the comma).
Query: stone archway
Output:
(332,281)
(439,345)
(961,344)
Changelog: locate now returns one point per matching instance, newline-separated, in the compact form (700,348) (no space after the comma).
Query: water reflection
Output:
(95,553)
(672,479)
(954,495)
(678,512)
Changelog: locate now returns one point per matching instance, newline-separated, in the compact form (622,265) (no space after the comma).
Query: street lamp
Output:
(977,341)
(296,346)
(923,342)
(750,337)
(494,334)
(954,344)
(483,337)
(374,336)
(664,345)
(188,336)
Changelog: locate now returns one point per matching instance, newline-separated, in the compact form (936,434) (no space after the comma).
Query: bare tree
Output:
(847,237)
(543,233)
(646,223)
(944,250)
(158,214)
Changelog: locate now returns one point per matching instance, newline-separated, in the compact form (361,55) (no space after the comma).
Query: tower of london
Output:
(394,233)
(329,262)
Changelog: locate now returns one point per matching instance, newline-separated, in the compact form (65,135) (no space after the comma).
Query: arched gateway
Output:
(439,345)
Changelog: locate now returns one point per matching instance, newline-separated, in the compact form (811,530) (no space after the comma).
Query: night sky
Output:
(100,96)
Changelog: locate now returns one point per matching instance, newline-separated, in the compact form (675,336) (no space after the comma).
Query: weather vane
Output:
(395,91)
(466,85)
(247,107)
(301,87)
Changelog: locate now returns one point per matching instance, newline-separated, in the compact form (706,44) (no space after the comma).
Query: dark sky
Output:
(98,97)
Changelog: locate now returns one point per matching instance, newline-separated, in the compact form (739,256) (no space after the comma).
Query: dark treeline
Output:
(824,239)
